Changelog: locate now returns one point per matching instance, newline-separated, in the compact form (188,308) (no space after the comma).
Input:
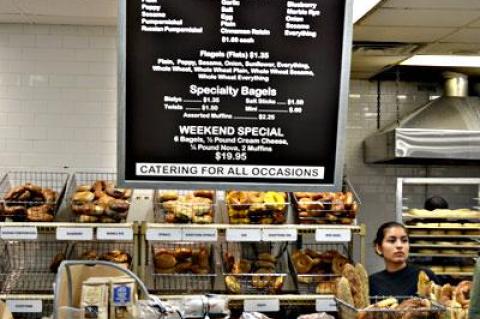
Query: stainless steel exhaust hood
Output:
(446,130)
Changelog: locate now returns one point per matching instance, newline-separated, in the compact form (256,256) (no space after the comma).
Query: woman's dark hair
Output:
(435,202)
(383,229)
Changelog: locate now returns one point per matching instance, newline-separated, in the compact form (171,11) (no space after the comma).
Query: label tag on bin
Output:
(200,234)
(243,234)
(25,306)
(67,233)
(273,234)
(325,305)
(18,233)
(113,233)
(164,234)
(333,235)
(262,305)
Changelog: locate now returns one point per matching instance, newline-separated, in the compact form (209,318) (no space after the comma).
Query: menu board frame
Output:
(234,183)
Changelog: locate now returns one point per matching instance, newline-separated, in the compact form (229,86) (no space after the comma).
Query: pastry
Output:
(164,260)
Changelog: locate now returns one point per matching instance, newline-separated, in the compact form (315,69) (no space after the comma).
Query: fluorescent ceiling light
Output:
(444,60)
(361,7)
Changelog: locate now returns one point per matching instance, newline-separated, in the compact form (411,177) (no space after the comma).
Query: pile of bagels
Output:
(252,207)
(326,207)
(101,202)
(189,207)
(29,202)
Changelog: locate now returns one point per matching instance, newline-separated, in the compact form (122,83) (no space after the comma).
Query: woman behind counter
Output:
(399,278)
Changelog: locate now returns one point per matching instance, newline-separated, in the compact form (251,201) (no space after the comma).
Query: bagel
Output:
(15,192)
(25,196)
(83,197)
(83,188)
(325,288)
(168,195)
(255,197)
(15,210)
(259,281)
(42,213)
(182,253)
(302,262)
(117,256)
(86,208)
(238,199)
(115,192)
(118,205)
(87,219)
(183,267)
(304,203)
(99,185)
(266,257)
(275,200)
(164,260)
(203,258)
(210,194)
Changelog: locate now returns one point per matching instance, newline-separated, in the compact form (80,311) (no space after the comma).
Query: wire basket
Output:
(347,311)
(98,210)
(26,266)
(30,266)
(251,207)
(191,273)
(320,278)
(119,252)
(247,272)
(327,207)
(47,310)
(31,196)
(185,206)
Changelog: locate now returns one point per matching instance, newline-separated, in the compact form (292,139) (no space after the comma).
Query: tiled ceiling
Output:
(434,26)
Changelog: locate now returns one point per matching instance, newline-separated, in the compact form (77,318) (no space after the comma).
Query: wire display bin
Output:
(185,206)
(182,267)
(317,267)
(253,207)
(30,266)
(31,196)
(327,207)
(254,268)
(392,308)
(95,198)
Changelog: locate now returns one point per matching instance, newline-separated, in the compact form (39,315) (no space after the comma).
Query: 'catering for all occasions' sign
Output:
(242,93)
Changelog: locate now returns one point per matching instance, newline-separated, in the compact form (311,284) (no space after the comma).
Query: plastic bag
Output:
(321,315)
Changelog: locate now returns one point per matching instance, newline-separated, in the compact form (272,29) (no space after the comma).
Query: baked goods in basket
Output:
(187,207)
(100,201)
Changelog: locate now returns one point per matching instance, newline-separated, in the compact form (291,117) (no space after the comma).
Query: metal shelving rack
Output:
(453,238)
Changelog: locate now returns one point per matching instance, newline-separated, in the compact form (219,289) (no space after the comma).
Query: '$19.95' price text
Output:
(230,156)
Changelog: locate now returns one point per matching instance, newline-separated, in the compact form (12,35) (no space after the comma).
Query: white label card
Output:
(262,305)
(325,305)
(18,233)
(200,234)
(272,234)
(26,306)
(163,234)
(113,233)
(67,233)
(333,235)
(243,234)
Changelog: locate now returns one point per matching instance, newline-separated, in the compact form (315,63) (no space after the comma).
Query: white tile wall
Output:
(57,97)
(58,109)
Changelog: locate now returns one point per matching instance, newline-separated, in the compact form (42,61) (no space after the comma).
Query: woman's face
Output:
(395,246)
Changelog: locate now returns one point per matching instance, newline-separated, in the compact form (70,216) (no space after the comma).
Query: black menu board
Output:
(233,93)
